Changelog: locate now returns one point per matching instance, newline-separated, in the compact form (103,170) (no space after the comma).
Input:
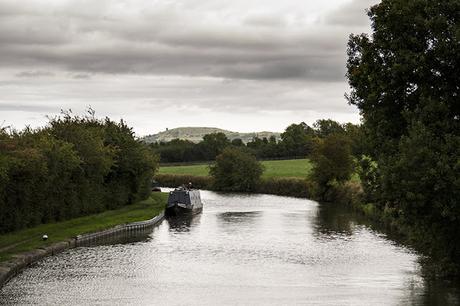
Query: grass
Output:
(195,170)
(300,168)
(29,239)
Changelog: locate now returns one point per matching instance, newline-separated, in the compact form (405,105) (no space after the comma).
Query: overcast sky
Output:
(243,65)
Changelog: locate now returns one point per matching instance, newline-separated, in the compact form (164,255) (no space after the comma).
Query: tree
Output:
(235,170)
(213,144)
(326,127)
(411,59)
(333,162)
(297,140)
(74,166)
(237,142)
(405,82)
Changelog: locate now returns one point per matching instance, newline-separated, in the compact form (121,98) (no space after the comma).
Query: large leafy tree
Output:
(213,144)
(297,140)
(409,62)
(236,170)
(405,81)
(326,127)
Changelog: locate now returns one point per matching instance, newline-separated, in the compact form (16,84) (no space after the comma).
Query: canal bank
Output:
(20,249)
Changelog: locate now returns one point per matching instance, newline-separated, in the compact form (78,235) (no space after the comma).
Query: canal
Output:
(242,250)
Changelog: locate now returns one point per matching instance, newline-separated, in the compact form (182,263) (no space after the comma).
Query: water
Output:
(242,250)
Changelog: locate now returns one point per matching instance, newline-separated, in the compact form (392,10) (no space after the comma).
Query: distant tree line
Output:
(72,167)
(298,140)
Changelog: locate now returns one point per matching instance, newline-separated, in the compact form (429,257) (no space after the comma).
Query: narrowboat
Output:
(182,201)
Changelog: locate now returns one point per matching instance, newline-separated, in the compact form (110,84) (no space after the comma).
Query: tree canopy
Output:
(296,141)
(333,162)
(235,170)
(405,82)
(74,166)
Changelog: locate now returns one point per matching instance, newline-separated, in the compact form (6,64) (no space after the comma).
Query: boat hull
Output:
(179,210)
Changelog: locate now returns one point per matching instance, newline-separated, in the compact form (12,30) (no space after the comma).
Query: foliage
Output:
(326,127)
(405,80)
(367,171)
(235,170)
(412,57)
(177,150)
(333,162)
(176,180)
(297,141)
(292,187)
(213,144)
(75,166)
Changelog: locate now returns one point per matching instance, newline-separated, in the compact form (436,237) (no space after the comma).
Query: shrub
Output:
(333,163)
(75,166)
(235,170)
(175,180)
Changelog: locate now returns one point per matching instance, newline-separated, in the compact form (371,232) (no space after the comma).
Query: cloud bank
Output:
(210,55)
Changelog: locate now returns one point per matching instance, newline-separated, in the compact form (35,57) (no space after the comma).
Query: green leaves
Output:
(333,162)
(75,166)
(405,82)
(235,170)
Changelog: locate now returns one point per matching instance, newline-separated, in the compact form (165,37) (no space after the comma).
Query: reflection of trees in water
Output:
(441,293)
(432,292)
(334,220)
(239,216)
(183,223)
(338,222)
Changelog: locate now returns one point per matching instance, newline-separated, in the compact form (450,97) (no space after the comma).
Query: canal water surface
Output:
(242,250)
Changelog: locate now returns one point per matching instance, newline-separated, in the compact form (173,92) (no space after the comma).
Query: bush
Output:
(291,187)
(333,163)
(75,166)
(176,180)
(235,170)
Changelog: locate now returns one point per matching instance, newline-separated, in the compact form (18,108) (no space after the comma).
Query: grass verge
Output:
(30,238)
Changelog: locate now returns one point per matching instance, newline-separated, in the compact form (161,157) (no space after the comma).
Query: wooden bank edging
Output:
(12,267)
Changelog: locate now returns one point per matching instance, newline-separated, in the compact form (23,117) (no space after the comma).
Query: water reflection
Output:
(339,222)
(246,250)
(439,293)
(333,220)
(239,216)
(183,223)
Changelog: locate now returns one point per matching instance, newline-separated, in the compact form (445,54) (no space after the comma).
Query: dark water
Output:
(242,250)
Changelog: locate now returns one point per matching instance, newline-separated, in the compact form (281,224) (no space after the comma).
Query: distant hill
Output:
(196,134)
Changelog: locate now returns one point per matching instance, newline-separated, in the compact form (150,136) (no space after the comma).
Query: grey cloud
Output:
(351,14)
(12,106)
(81,76)
(34,74)
(98,37)
(265,21)
(271,60)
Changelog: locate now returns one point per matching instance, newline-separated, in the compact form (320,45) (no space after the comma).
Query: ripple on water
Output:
(243,249)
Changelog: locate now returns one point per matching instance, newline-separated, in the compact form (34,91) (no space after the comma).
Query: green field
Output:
(273,168)
(29,239)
